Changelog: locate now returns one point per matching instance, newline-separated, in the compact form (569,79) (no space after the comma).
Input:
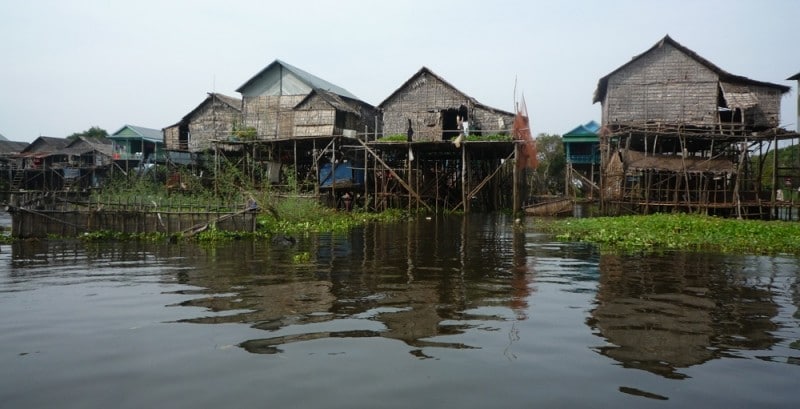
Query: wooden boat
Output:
(552,207)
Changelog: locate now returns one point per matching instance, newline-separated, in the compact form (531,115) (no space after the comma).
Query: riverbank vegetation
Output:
(280,211)
(661,232)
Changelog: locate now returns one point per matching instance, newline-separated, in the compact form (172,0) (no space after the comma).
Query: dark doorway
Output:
(450,123)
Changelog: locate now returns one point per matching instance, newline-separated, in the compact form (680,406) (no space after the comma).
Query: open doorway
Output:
(450,121)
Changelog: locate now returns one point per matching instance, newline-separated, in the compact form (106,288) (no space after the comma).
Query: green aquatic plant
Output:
(489,138)
(679,231)
(302,257)
(393,138)
(105,235)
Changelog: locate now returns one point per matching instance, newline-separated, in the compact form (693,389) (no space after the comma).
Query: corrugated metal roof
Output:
(153,135)
(309,79)
(583,133)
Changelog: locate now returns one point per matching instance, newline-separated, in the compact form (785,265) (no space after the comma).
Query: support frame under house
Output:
(418,176)
(681,134)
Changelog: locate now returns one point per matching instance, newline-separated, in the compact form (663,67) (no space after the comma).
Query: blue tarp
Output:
(343,174)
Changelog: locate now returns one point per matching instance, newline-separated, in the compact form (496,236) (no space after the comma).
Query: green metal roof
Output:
(312,81)
(583,133)
(131,131)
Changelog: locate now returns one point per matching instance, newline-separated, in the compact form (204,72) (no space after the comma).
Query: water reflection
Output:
(662,313)
(418,282)
(414,282)
(427,281)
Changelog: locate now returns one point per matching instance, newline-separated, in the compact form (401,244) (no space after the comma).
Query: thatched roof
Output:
(426,71)
(44,145)
(336,101)
(234,103)
(635,160)
(85,144)
(724,76)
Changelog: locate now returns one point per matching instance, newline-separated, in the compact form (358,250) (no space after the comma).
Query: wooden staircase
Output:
(17,181)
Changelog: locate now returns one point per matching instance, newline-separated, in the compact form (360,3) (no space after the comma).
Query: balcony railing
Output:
(584,159)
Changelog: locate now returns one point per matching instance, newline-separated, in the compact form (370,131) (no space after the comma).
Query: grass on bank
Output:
(659,232)
(288,216)
(292,215)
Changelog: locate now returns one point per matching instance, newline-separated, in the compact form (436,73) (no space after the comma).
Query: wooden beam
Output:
(393,173)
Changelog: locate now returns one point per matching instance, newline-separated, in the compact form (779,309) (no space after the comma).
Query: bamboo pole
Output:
(464,175)
(774,209)
(392,172)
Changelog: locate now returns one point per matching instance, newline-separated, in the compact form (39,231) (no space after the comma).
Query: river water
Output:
(453,312)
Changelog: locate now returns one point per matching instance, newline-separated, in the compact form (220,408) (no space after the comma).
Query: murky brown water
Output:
(449,312)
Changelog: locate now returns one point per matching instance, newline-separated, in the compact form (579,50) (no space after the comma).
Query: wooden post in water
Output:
(464,176)
(515,200)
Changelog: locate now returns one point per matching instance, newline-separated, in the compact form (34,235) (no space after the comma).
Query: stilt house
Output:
(582,151)
(291,117)
(136,146)
(284,102)
(679,133)
(38,163)
(216,118)
(10,162)
(428,168)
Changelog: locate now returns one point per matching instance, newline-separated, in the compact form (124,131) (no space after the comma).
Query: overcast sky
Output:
(66,66)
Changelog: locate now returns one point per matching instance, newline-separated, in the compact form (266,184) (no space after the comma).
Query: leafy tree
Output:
(788,162)
(549,176)
(93,132)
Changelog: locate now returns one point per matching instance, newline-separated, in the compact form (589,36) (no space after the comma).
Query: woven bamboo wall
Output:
(425,99)
(421,101)
(172,137)
(271,115)
(212,121)
(664,86)
(768,112)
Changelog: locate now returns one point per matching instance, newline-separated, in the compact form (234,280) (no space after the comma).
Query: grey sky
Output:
(66,66)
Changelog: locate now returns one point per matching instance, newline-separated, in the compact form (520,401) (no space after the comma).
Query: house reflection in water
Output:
(417,282)
(662,313)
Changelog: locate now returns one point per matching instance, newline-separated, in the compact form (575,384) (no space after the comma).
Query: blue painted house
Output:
(582,150)
(582,144)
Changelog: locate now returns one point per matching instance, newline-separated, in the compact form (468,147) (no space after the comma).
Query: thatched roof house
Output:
(678,132)
(41,152)
(9,153)
(671,84)
(284,102)
(11,148)
(86,151)
(324,113)
(216,118)
(430,106)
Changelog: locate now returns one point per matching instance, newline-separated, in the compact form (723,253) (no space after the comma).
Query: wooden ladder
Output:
(17,180)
